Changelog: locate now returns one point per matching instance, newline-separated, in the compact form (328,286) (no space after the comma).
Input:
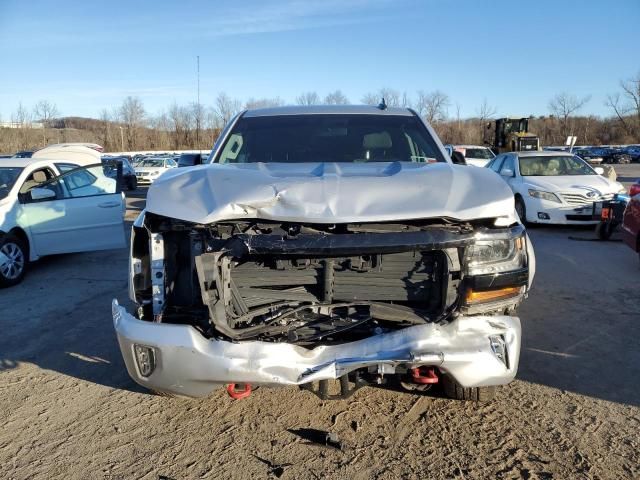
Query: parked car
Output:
(588,156)
(611,155)
(631,221)
(633,151)
(326,243)
(23,154)
(149,169)
(191,159)
(128,180)
(50,206)
(475,155)
(553,187)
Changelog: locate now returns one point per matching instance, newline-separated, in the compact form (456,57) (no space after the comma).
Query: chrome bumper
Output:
(188,364)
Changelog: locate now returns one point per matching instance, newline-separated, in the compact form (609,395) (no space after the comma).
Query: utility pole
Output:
(198,112)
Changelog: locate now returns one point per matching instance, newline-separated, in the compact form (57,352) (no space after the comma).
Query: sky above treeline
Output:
(86,56)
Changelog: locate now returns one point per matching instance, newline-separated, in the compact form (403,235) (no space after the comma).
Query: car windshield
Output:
(481,153)
(329,138)
(8,176)
(151,162)
(554,166)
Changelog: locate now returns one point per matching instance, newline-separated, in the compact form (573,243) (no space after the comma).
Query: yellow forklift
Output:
(512,135)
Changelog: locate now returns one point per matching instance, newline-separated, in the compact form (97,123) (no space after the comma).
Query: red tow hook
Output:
(239,394)
(424,375)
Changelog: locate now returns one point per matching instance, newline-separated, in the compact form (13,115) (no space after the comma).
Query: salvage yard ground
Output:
(69,410)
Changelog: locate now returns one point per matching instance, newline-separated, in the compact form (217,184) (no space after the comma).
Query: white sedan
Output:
(475,155)
(50,206)
(553,187)
(149,169)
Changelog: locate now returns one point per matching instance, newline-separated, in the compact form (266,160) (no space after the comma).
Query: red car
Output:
(631,221)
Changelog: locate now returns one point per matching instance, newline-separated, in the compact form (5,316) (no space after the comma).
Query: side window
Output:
(172,163)
(509,164)
(497,163)
(37,178)
(65,167)
(82,182)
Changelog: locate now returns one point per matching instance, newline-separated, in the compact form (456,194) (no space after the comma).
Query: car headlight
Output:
(495,256)
(544,195)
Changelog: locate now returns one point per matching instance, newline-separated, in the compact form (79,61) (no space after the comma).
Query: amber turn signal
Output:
(491,295)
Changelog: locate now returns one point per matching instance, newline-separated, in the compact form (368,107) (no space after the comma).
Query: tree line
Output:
(129,127)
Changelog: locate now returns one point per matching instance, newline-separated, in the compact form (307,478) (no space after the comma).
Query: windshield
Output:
(329,138)
(554,166)
(151,162)
(481,153)
(8,176)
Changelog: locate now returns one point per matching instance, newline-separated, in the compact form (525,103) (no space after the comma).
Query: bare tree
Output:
(370,98)
(391,97)
(198,115)
(336,98)
(132,115)
(627,107)
(432,106)
(23,119)
(308,98)
(45,112)
(563,105)
(225,108)
(264,102)
(485,112)
(179,120)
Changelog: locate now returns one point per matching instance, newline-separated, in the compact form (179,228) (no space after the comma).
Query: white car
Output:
(553,187)
(475,155)
(50,206)
(149,169)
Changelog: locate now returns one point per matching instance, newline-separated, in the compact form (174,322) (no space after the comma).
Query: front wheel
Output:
(454,390)
(13,260)
(521,209)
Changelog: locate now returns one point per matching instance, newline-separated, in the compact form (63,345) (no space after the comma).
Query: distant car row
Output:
(604,154)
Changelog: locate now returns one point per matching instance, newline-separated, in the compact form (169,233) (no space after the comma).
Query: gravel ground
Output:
(68,409)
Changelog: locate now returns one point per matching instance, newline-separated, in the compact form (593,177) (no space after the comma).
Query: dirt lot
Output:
(69,410)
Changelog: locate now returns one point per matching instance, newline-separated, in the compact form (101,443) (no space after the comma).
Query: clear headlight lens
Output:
(544,195)
(494,256)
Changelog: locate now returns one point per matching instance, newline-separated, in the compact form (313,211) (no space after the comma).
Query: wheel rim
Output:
(14,265)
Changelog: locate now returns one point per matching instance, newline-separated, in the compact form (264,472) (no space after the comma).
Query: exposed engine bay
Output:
(311,284)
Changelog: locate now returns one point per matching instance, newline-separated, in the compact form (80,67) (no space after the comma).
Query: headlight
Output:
(544,195)
(495,256)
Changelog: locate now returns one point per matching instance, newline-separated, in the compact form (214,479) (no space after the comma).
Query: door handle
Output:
(109,204)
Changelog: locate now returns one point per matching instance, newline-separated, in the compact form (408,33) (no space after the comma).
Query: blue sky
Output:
(89,55)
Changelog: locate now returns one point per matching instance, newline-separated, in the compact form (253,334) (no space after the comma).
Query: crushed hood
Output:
(330,192)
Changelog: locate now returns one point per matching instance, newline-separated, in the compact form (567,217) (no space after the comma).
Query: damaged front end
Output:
(273,303)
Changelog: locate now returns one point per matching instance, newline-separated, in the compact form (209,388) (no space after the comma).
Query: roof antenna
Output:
(382,105)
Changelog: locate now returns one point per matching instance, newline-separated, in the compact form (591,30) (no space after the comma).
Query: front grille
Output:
(142,174)
(412,277)
(571,198)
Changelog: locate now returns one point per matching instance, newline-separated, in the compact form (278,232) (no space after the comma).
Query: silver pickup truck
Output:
(330,248)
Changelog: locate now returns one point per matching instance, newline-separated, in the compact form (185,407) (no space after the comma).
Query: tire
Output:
(605,230)
(521,209)
(474,394)
(13,272)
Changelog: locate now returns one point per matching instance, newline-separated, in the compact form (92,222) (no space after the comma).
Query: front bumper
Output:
(559,214)
(188,364)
